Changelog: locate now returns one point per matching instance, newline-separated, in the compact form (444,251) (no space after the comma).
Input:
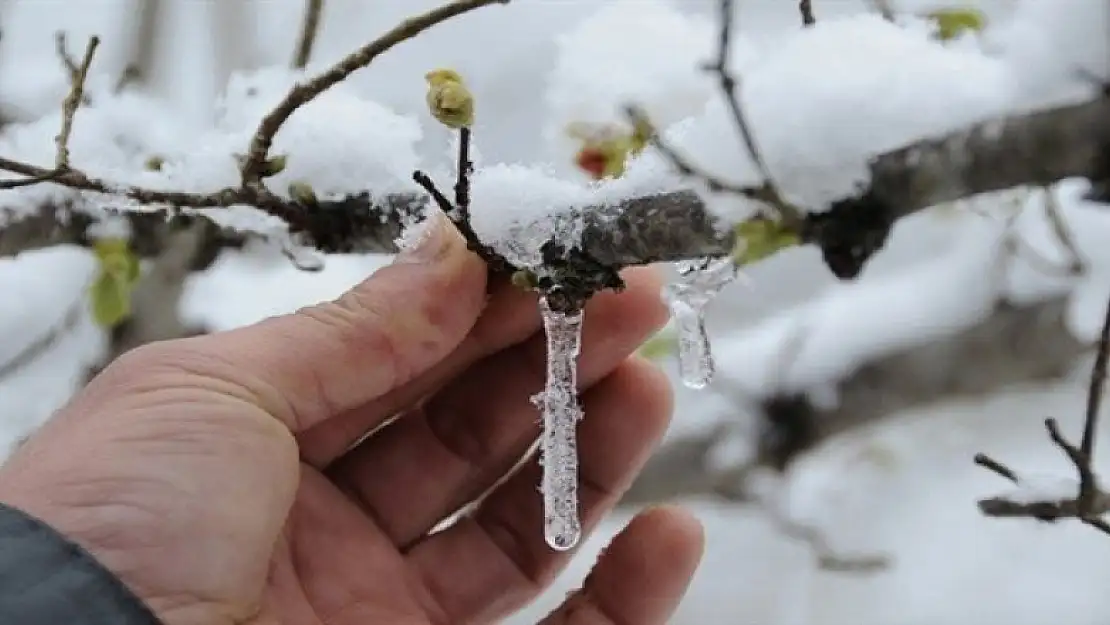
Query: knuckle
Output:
(360,323)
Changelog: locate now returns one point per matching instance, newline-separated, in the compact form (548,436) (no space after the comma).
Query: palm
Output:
(358,548)
(332,564)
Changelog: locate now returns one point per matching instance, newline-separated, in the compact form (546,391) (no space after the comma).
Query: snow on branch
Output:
(1037,148)
(613,224)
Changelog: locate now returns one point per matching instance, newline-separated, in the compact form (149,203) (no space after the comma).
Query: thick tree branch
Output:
(1036,148)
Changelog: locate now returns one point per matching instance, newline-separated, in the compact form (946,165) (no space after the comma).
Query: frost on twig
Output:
(1087,502)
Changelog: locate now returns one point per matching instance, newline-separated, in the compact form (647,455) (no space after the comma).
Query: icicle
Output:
(699,282)
(559,405)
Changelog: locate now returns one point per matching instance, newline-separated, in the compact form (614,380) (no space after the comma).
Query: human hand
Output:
(219,478)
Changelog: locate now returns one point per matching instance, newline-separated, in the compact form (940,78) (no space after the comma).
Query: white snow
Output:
(853,322)
(820,103)
(629,52)
(516,208)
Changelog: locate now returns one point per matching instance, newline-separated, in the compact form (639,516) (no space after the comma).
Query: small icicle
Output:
(699,282)
(559,406)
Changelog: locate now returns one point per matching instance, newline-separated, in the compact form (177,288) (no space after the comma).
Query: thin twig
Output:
(1063,234)
(72,101)
(496,262)
(250,192)
(1091,501)
(301,94)
(465,170)
(1095,389)
(75,96)
(61,48)
(806,8)
(687,168)
(309,28)
(1023,149)
(766,193)
(996,467)
(49,176)
(790,215)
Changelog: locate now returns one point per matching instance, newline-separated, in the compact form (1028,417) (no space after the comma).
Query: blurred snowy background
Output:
(903,484)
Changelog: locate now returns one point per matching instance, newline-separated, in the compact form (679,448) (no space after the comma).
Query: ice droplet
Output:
(698,283)
(558,404)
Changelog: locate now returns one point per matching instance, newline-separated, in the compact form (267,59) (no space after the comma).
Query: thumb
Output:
(325,359)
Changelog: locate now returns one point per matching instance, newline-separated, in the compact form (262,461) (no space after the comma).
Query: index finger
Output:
(323,360)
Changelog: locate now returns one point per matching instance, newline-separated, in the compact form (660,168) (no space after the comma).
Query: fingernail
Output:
(426,242)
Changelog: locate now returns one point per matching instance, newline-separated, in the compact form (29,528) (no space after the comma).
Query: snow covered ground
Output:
(820,101)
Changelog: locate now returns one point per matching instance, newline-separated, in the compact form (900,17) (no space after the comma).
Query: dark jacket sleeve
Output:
(45,579)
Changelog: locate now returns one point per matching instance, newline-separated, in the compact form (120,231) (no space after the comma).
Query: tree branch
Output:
(1090,502)
(1036,148)
(78,75)
(72,101)
(303,93)
(313,10)
(1015,345)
